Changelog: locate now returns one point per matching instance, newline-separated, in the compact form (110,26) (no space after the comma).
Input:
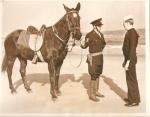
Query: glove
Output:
(126,67)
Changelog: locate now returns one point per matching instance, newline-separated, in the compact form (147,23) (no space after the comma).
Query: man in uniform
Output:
(96,43)
(130,60)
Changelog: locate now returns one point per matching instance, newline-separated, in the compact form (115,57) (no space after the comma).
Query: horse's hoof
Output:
(58,92)
(53,94)
(28,90)
(54,99)
(13,91)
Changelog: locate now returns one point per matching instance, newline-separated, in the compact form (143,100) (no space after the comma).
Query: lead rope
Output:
(72,45)
(81,58)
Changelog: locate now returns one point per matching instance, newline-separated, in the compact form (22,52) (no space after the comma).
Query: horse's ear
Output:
(66,8)
(78,6)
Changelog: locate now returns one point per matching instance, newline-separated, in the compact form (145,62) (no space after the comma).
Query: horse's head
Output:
(73,20)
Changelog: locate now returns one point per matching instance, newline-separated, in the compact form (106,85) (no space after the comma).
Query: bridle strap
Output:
(67,20)
(56,34)
(70,29)
(73,11)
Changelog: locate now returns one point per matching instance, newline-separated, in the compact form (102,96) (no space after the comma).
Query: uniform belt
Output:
(96,54)
(89,56)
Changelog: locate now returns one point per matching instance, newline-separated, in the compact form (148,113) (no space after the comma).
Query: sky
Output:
(19,14)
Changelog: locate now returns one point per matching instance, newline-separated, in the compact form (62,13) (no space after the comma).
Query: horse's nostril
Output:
(80,34)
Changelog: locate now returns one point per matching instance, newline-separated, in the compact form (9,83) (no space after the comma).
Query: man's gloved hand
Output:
(126,67)
(123,64)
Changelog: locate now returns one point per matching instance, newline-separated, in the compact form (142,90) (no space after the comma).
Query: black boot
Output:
(92,91)
(97,88)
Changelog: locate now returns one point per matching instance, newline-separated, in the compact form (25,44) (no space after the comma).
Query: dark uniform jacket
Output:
(129,46)
(96,43)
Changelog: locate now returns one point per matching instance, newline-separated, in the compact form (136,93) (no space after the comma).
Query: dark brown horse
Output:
(53,50)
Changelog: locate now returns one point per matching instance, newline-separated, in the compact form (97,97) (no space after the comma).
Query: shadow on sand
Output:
(85,78)
(113,86)
(44,79)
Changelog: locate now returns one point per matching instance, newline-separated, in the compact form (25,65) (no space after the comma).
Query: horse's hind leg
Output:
(52,73)
(23,64)
(11,61)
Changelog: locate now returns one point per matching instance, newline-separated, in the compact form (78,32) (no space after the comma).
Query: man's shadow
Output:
(85,78)
(43,79)
(113,86)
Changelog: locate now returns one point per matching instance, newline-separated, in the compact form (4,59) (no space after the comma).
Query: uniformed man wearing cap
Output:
(96,43)
(130,60)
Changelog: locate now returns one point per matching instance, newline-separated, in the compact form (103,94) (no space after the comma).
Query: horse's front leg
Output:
(58,92)
(52,76)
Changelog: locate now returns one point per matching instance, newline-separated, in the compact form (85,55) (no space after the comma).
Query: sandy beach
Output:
(74,84)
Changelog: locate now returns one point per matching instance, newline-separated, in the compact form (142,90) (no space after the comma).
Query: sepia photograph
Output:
(74,58)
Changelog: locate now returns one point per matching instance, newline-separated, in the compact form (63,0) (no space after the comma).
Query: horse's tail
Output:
(4,64)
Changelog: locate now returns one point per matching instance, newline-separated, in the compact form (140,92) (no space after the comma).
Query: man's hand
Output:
(126,67)
(82,42)
(123,64)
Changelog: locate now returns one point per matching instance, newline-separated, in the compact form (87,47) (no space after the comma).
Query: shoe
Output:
(131,104)
(99,95)
(94,99)
(126,99)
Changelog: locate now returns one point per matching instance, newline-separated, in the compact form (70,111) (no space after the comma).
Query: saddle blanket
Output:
(32,41)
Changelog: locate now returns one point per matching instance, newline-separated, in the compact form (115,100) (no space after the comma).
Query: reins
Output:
(81,56)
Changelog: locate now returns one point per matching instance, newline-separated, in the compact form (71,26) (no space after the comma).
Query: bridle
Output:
(71,29)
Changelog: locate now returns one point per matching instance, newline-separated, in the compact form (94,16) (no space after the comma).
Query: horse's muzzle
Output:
(77,35)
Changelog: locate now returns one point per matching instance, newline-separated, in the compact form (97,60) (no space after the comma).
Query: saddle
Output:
(33,39)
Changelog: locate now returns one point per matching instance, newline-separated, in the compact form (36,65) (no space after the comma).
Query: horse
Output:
(53,50)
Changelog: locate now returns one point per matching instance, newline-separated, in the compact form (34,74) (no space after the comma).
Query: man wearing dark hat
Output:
(129,64)
(96,43)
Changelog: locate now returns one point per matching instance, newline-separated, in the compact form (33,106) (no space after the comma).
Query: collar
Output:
(130,28)
(97,32)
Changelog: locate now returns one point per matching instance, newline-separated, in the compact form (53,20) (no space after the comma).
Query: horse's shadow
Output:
(85,78)
(43,79)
